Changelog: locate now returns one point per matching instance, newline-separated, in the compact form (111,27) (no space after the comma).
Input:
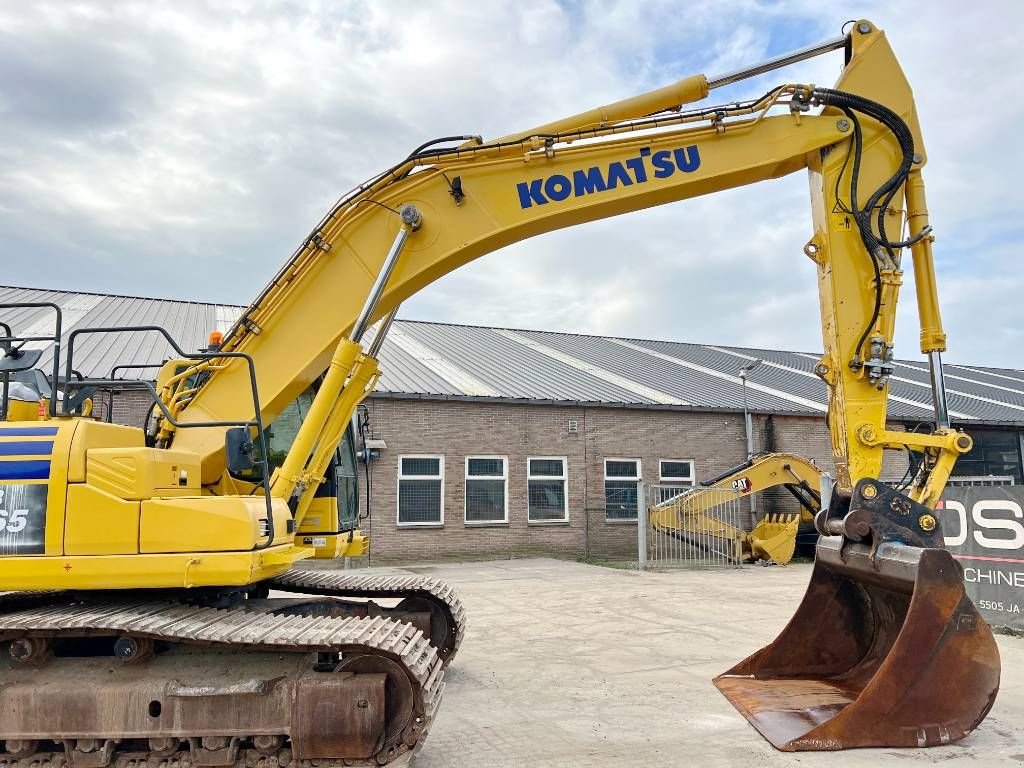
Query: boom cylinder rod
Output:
(411,220)
(938,390)
(777,62)
(382,332)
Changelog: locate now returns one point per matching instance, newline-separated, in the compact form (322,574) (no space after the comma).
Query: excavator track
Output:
(432,605)
(161,684)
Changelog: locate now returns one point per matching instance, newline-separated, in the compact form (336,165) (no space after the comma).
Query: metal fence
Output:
(683,527)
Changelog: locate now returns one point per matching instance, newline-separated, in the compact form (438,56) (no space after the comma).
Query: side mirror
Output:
(238,447)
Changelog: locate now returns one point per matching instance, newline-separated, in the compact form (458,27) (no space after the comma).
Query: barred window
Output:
(674,474)
(546,491)
(621,484)
(421,490)
(486,489)
(995,452)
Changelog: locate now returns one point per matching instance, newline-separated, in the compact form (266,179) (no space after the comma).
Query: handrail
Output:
(67,406)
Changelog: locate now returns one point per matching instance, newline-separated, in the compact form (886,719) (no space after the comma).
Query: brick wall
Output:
(129,407)
(456,429)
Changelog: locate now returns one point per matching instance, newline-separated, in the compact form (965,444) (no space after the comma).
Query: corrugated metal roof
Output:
(95,355)
(439,360)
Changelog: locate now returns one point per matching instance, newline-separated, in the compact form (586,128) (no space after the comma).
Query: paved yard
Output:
(568,665)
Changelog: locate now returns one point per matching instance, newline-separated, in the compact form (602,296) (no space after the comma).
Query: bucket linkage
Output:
(886,648)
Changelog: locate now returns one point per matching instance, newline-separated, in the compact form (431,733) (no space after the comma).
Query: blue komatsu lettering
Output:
(636,165)
(528,195)
(688,159)
(663,167)
(616,175)
(590,180)
(557,187)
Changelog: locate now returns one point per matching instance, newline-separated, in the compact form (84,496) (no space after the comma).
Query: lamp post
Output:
(748,422)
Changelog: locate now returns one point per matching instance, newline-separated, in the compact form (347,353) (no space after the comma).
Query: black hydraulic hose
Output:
(850,104)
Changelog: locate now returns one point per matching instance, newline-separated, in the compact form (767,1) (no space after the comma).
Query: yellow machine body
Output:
(93,508)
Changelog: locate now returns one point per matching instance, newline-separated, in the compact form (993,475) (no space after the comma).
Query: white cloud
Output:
(185,149)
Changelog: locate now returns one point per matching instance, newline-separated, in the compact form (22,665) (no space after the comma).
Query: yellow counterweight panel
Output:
(143,473)
(208,523)
(99,523)
(90,435)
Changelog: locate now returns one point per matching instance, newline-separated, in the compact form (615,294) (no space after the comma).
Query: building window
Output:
(621,483)
(546,491)
(995,452)
(486,489)
(673,475)
(421,490)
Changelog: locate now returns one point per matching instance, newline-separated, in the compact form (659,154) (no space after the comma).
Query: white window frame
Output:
(639,479)
(398,488)
(465,489)
(564,477)
(693,472)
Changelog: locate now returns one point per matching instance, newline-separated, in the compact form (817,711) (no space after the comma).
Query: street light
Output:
(748,422)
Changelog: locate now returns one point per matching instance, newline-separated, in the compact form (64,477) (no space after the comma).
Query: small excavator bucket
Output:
(774,538)
(886,649)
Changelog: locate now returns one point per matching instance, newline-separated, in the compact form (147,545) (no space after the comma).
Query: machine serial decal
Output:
(558,186)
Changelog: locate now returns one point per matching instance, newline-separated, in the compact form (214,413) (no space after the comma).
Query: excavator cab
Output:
(331,527)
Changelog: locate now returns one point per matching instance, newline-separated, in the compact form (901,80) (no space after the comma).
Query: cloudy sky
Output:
(183,149)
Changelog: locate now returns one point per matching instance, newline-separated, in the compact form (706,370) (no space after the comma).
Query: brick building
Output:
(493,442)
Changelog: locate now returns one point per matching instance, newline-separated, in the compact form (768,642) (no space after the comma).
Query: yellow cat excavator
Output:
(140,630)
(693,517)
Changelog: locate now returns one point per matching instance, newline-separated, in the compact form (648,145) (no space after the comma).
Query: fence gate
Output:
(683,527)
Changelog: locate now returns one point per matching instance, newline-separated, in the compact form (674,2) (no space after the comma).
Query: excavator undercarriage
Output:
(123,679)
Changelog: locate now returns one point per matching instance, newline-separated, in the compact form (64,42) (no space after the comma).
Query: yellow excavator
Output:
(145,623)
(694,516)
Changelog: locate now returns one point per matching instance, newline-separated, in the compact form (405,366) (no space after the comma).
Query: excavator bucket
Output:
(886,649)
(774,538)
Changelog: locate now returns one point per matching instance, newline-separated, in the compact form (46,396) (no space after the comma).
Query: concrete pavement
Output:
(567,665)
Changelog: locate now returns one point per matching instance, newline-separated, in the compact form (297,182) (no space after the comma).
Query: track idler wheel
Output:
(20,748)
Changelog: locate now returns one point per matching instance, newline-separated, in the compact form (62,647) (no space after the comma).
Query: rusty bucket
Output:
(885,650)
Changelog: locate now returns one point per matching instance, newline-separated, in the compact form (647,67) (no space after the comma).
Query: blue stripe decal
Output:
(24,470)
(28,431)
(27,448)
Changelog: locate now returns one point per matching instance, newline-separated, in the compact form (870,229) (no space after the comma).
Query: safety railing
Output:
(683,527)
